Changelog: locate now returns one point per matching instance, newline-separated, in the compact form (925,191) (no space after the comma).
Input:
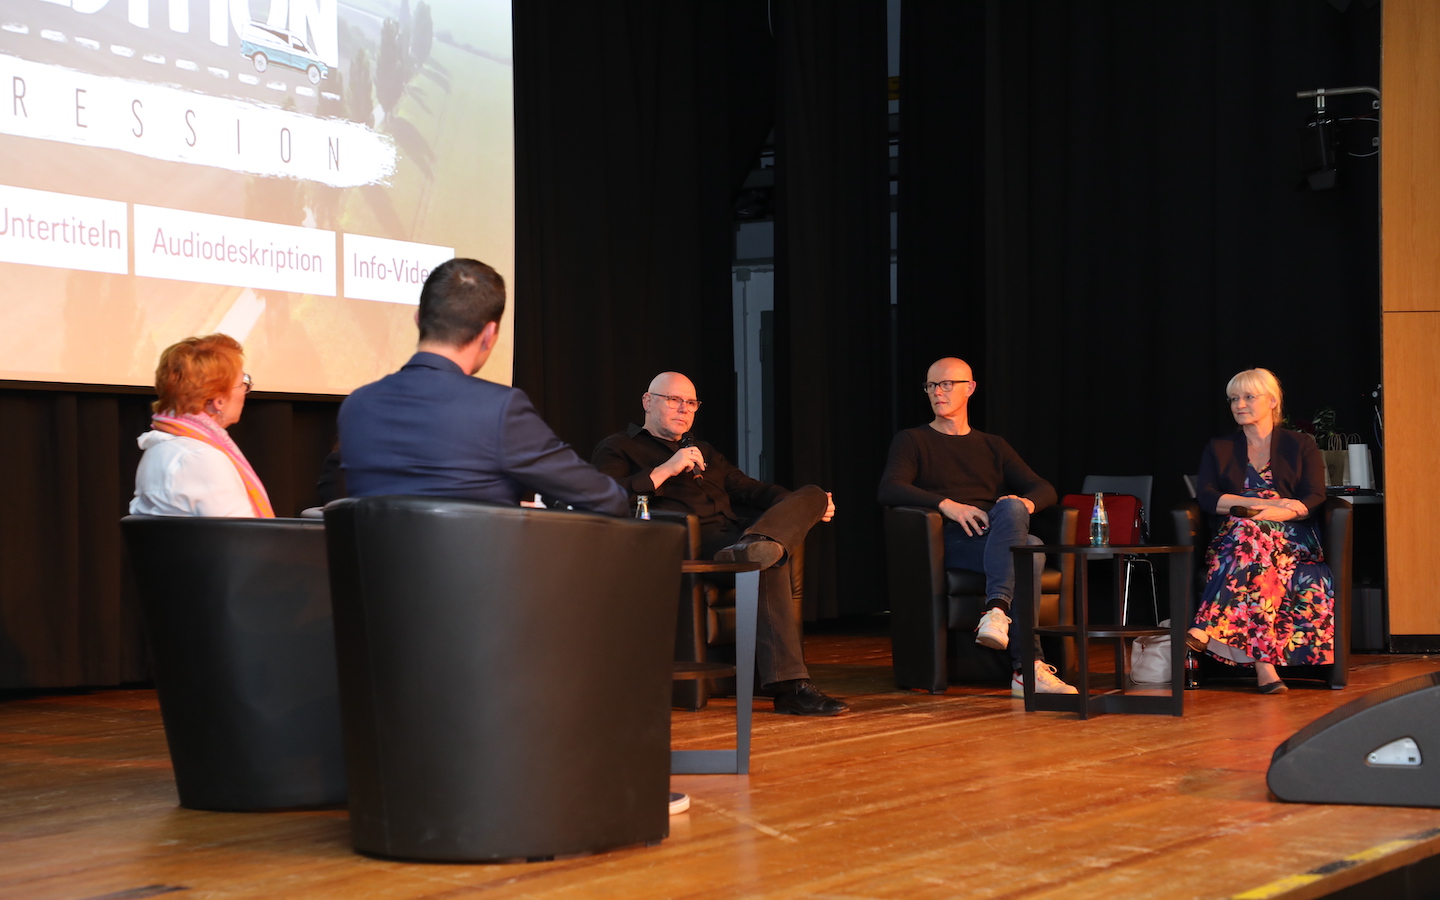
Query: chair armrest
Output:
(1189,526)
(1060,525)
(1337,534)
(692,526)
(690,617)
(915,567)
(1055,524)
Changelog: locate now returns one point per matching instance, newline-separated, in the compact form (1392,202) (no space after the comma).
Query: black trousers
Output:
(778,650)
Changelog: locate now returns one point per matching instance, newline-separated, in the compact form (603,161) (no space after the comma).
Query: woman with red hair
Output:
(191,467)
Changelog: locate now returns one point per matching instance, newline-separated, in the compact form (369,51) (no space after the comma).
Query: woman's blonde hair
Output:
(1259,381)
(196,370)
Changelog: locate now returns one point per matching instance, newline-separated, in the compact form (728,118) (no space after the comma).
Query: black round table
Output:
(1082,630)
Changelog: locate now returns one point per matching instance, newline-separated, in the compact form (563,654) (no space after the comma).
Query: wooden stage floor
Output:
(961,795)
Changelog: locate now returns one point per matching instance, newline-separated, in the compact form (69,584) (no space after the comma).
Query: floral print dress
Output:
(1269,596)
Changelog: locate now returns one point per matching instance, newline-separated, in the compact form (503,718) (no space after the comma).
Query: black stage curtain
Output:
(635,123)
(940,276)
(832,297)
(68,613)
(1144,236)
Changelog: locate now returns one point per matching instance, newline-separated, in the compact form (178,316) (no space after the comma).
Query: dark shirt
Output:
(1297,469)
(926,467)
(432,430)
(331,484)
(630,457)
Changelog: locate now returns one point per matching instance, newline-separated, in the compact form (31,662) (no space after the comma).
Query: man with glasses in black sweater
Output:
(987,494)
(661,460)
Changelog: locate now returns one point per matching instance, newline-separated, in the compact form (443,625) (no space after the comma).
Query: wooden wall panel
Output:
(1410,272)
(1410,155)
(1412,470)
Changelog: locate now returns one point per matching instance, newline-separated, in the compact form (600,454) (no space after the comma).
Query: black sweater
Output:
(926,467)
(631,456)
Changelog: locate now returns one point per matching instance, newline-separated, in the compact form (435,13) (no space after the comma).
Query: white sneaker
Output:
(1046,682)
(993,630)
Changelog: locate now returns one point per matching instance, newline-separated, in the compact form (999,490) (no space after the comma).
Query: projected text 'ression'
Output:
(54,103)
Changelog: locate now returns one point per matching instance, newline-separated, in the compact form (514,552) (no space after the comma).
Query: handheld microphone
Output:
(688,440)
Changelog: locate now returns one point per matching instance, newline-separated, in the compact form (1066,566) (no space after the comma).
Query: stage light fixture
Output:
(1320,139)
(1319,144)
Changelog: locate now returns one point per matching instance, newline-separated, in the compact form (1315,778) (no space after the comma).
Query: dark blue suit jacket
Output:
(432,430)
(1296,467)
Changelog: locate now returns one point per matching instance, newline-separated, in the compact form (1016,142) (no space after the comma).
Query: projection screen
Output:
(285,172)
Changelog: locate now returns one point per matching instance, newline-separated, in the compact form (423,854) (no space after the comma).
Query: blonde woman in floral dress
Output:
(1269,597)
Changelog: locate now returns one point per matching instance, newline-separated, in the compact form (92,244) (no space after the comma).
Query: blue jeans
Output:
(990,553)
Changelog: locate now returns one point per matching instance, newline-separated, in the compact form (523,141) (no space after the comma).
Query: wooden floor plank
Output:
(912,795)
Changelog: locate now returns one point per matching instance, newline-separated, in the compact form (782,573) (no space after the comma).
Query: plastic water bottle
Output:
(642,507)
(1099,523)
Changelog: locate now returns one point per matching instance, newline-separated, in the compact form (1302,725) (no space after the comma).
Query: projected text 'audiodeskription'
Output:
(189,246)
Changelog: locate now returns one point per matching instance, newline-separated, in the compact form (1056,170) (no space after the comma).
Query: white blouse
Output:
(180,476)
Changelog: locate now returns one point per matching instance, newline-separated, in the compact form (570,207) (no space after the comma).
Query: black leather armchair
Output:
(505,676)
(705,628)
(934,611)
(1192,529)
(237,614)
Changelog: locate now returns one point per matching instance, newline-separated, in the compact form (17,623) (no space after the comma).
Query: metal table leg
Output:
(737,761)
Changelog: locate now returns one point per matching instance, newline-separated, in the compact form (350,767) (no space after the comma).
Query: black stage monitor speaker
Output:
(1382,749)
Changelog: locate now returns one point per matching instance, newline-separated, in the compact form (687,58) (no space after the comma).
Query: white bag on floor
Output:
(1150,658)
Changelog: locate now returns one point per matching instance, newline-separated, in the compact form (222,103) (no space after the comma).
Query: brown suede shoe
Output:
(752,549)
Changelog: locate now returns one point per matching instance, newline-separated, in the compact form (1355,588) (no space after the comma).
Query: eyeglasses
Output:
(677,402)
(944,387)
(246,380)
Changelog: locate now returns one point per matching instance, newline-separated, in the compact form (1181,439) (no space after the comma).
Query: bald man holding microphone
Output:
(662,460)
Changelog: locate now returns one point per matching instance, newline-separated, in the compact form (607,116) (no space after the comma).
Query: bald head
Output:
(660,419)
(672,383)
(951,368)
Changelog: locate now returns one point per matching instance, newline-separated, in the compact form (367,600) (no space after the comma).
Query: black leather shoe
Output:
(806,700)
(752,549)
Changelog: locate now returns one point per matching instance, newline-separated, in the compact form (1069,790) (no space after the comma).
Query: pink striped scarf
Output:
(200,427)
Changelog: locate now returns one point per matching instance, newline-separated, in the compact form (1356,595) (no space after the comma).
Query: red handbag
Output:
(1123,511)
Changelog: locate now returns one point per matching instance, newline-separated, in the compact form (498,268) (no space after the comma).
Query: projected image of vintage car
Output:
(264,45)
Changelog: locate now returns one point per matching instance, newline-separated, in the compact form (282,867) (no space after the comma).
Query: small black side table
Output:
(747,604)
(1117,701)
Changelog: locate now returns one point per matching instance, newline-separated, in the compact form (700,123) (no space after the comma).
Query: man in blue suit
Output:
(432,429)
